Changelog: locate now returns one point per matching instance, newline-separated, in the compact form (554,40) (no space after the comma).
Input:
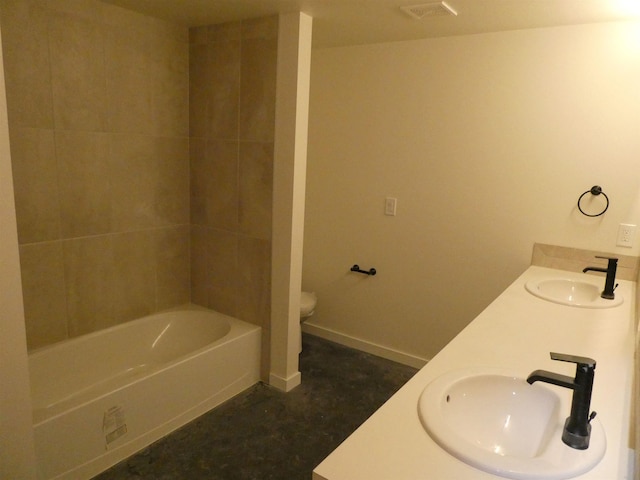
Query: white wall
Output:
(487,141)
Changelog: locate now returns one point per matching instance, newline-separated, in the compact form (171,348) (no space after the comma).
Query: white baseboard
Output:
(364,345)
(285,384)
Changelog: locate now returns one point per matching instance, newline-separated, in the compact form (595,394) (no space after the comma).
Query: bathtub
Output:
(101,397)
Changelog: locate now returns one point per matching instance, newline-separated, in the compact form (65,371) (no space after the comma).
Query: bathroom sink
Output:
(500,424)
(575,293)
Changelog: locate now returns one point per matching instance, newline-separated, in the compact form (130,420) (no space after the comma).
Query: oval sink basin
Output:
(574,293)
(500,424)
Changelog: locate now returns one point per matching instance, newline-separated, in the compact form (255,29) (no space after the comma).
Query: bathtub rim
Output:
(85,336)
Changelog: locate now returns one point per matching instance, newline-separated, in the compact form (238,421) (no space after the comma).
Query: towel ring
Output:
(595,191)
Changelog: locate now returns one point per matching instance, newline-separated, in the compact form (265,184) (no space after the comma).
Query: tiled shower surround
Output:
(142,159)
(232,123)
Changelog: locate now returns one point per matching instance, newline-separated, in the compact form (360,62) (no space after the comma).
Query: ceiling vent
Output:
(434,9)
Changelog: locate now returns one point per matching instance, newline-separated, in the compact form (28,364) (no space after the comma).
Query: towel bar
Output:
(371,271)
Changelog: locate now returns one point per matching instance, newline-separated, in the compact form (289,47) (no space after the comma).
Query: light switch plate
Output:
(390,205)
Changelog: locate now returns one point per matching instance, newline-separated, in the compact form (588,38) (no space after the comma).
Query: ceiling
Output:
(353,22)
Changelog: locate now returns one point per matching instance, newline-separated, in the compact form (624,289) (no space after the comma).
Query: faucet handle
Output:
(581,361)
(613,259)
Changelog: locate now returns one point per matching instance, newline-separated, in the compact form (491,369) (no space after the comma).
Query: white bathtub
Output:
(101,397)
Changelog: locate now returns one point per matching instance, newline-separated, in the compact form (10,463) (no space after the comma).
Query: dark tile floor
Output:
(263,433)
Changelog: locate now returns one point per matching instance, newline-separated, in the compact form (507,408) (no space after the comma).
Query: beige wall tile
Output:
(131,167)
(224,170)
(258,89)
(129,98)
(223,274)
(134,287)
(198,262)
(254,289)
(150,181)
(171,194)
(88,10)
(89,273)
(35,184)
(128,19)
(224,89)
(172,267)
(231,31)
(198,35)
(199,75)
(262,27)
(256,189)
(147,79)
(222,185)
(76,46)
(121,159)
(26,60)
(214,183)
(83,175)
(214,269)
(200,170)
(169,85)
(43,288)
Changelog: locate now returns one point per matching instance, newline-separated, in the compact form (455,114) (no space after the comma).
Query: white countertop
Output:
(517,331)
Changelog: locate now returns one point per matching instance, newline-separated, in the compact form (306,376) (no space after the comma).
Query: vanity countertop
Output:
(517,331)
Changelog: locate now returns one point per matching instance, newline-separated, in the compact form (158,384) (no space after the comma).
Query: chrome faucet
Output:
(609,286)
(577,427)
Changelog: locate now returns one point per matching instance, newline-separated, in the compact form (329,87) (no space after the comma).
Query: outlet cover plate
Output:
(626,235)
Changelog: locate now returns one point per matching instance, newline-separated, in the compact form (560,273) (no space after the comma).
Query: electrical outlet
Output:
(626,234)
(390,206)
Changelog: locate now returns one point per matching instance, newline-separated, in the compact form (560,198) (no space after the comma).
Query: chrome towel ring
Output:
(595,191)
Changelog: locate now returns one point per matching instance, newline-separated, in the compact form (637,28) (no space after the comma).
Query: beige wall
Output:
(98,115)
(232,121)
(487,141)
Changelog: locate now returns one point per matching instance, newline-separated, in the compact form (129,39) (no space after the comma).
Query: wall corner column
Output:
(17,451)
(289,178)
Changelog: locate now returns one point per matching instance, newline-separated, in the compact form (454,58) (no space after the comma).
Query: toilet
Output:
(308,302)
